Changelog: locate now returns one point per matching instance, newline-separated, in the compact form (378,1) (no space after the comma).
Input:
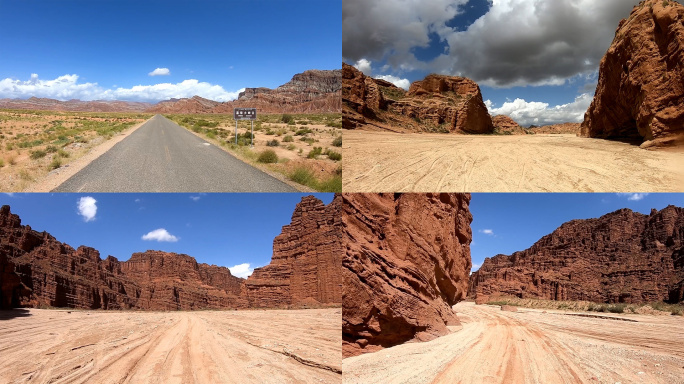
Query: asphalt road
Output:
(161,156)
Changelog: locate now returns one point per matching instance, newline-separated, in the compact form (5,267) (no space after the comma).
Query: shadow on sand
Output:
(12,313)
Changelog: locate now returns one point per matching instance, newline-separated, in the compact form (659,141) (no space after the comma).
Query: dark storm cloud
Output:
(518,42)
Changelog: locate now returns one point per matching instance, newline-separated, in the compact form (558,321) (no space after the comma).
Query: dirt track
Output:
(533,346)
(55,346)
(391,162)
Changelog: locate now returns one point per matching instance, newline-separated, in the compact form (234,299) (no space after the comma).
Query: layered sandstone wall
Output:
(406,262)
(37,270)
(640,93)
(623,256)
(306,262)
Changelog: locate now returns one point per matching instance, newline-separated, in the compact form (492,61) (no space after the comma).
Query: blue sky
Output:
(506,223)
(223,45)
(221,229)
(535,60)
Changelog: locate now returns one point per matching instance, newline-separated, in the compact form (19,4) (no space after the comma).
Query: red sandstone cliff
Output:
(640,93)
(623,256)
(307,256)
(436,104)
(406,263)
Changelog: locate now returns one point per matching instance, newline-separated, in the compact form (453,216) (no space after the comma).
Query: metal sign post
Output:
(244,114)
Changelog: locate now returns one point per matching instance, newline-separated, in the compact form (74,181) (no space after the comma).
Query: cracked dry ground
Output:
(533,346)
(273,346)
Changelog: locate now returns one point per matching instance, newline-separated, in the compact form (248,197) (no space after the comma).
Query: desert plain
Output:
(252,346)
(415,162)
(534,346)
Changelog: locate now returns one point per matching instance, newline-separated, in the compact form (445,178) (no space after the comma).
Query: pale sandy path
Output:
(532,346)
(391,162)
(276,346)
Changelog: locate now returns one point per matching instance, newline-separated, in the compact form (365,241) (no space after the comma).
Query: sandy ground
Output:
(533,346)
(390,162)
(276,346)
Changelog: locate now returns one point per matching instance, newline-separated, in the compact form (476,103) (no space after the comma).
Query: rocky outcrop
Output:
(504,125)
(307,256)
(37,103)
(313,91)
(406,262)
(436,104)
(623,256)
(640,93)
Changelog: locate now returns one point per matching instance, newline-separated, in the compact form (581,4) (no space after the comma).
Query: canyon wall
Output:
(406,262)
(306,262)
(623,256)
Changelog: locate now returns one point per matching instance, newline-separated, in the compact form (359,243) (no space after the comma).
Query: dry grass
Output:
(32,143)
(291,141)
(588,306)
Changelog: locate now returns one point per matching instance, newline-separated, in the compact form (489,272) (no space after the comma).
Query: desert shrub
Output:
(287,119)
(288,139)
(273,143)
(314,152)
(268,156)
(302,176)
(337,142)
(37,154)
(332,155)
(291,147)
(62,153)
(302,132)
(617,308)
(56,163)
(333,184)
(51,149)
(2,163)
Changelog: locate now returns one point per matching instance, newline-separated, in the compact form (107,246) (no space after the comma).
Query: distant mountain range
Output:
(313,91)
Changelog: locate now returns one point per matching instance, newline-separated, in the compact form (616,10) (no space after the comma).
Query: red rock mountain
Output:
(640,93)
(435,104)
(313,91)
(507,126)
(37,270)
(623,256)
(306,262)
(35,103)
(407,262)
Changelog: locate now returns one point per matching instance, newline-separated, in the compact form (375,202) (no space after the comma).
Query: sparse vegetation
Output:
(674,309)
(268,156)
(278,132)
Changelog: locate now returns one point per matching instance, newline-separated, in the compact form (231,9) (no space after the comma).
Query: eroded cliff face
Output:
(623,256)
(306,262)
(435,104)
(36,270)
(640,93)
(406,262)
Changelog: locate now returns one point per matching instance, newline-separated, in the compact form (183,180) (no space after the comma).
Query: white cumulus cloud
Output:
(487,232)
(633,196)
(87,208)
(160,72)
(241,270)
(401,83)
(528,113)
(67,87)
(160,234)
(364,66)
